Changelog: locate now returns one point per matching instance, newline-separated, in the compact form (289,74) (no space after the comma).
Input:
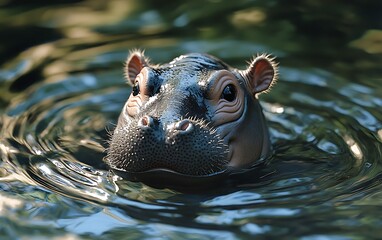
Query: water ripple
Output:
(61,98)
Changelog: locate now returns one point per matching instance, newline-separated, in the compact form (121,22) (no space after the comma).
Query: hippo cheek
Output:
(191,149)
(247,137)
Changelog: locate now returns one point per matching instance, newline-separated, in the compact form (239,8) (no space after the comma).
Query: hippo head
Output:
(194,116)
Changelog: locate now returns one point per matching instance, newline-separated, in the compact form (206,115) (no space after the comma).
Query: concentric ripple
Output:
(60,98)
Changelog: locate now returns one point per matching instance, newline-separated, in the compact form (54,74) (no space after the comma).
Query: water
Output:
(62,87)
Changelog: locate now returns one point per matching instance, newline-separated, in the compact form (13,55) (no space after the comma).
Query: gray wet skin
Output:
(194,116)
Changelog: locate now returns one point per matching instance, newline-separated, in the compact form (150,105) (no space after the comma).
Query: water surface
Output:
(62,88)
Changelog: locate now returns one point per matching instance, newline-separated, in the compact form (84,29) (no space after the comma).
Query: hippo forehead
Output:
(198,62)
(190,69)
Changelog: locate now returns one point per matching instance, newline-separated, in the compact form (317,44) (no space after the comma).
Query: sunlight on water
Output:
(354,147)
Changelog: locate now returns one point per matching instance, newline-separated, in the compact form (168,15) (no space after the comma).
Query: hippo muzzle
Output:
(187,147)
(195,116)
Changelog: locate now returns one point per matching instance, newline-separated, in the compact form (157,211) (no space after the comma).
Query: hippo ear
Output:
(261,74)
(134,64)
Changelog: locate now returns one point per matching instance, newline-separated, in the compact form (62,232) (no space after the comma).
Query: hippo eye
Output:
(136,89)
(229,93)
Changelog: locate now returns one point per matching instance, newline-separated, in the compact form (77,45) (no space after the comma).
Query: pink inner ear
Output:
(134,67)
(261,75)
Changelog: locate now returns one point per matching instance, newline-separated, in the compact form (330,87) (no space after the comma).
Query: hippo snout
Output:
(185,146)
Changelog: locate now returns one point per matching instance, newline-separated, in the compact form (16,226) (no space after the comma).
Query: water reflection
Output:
(62,89)
(369,42)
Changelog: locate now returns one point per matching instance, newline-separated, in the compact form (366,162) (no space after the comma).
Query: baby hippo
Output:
(194,116)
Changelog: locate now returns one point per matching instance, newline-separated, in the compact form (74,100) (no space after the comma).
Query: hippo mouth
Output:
(187,152)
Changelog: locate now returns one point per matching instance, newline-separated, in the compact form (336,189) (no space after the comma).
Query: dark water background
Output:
(61,87)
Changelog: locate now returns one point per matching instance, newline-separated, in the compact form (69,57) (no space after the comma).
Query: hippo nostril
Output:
(184,126)
(146,121)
